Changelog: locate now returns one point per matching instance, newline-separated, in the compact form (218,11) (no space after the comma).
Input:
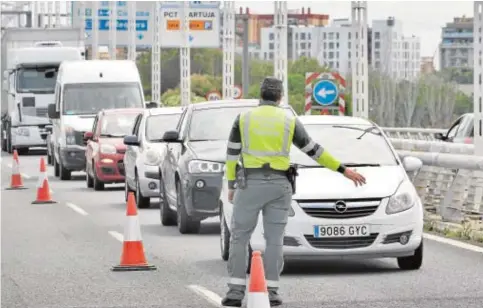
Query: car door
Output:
(91,147)
(172,157)
(453,130)
(139,151)
(131,155)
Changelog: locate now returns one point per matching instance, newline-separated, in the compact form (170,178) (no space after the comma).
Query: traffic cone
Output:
(257,289)
(16,181)
(43,190)
(132,258)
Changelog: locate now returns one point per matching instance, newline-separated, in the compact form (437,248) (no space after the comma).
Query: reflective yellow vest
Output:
(266,134)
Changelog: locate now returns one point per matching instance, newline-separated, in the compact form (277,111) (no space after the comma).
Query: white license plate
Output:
(341,231)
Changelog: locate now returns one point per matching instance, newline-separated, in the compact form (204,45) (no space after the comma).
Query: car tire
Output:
(56,168)
(89,180)
(185,223)
(98,185)
(224,237)
(141,201)
(168,216)
(413,262)
(65,174)
(49,159)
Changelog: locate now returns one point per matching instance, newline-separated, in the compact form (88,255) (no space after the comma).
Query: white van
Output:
(83,89)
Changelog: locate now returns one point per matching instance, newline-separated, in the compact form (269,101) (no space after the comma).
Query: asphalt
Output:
(60,255)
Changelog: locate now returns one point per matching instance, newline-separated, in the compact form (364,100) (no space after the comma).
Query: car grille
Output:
(41,112)
(79,138)
(120,166)
(326,208)
(341,242)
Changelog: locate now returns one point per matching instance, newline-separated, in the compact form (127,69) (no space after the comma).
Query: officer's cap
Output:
(272,84)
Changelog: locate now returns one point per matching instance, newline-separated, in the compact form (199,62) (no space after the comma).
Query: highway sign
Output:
(213,96)
(204,23)
(237,92)
(325,92)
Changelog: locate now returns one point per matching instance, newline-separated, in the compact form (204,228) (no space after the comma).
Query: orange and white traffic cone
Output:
(132,258)
(257,289)
(16,181)
(43,189)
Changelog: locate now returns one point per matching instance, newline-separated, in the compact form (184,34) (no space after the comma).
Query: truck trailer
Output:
(30,59)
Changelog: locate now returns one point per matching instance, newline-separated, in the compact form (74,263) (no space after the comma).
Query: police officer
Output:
(263,137)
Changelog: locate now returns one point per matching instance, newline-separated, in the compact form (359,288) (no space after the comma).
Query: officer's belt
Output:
(265,171)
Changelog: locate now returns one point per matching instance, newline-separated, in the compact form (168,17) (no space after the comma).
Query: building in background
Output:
(427,65)
(456,48)
(392,52)
(299,40)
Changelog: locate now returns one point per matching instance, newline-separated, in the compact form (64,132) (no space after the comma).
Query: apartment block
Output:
(456,47)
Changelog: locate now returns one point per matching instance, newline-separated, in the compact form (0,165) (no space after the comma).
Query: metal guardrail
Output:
(413,133)
(432,146)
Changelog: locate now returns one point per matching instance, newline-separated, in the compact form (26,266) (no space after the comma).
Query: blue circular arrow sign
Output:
(325,92)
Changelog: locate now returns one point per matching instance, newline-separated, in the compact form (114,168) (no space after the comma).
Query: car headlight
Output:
(202,166)
(107,149)
(152,158)
(22,131)
(69,135)
(402,200)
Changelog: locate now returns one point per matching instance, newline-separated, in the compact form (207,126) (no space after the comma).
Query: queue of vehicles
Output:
(100,123)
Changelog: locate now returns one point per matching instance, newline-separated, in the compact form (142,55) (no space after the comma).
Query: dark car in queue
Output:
(105,147)
(461,131)
(192,172)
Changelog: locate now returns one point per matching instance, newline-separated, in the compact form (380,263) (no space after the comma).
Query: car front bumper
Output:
(383,242)
(110,168)
(149,181)
(202,194)
(73,158)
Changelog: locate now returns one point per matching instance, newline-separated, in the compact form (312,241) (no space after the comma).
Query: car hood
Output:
(322,183)
(209,150)
(118,143)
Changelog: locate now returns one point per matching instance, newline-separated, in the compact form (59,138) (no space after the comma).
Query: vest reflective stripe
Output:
(287,129)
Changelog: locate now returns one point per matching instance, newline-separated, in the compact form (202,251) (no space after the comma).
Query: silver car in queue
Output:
(145,152)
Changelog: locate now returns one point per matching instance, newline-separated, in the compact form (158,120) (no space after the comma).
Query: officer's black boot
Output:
(275,299)
(230,302)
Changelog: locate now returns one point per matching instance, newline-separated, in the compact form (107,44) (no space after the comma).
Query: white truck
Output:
(30,59)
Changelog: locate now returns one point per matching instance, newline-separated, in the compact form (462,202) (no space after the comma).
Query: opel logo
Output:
(340,207)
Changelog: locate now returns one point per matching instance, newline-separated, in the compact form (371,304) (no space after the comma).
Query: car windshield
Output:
(216,123)
(90,98)
(37,79)
(157,125)
(117,125)
(350,144)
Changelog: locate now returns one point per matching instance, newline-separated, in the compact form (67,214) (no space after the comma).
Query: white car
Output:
(332,218)
(145,152)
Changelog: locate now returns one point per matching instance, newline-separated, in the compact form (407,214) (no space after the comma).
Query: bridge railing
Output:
(413,133)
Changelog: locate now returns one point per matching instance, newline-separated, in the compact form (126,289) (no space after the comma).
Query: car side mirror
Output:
(171,136)
(131,140)
(440,136)
(88,136)
(53,114)
(412,164)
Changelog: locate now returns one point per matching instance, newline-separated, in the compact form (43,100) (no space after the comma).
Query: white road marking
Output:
(451,242)
(118,236)
(77,209)
(210,296)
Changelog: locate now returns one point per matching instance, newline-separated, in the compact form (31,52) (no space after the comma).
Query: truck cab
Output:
(27,90)
(82,89)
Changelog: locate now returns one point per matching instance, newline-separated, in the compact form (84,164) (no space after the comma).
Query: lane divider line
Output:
(452,242)
(118,236)
(210,296)
(77,209)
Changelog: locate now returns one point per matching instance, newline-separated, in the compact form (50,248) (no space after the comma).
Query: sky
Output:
(419,18)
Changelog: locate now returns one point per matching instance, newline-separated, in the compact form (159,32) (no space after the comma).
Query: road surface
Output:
(60,255)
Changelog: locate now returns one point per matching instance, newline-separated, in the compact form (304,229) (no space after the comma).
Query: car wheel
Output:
(224,237)
(49,158)
(65,174)
(56,168)
(412,262)
(89,180)
(185,223)
(168,216)
(98,185)
(141,201)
